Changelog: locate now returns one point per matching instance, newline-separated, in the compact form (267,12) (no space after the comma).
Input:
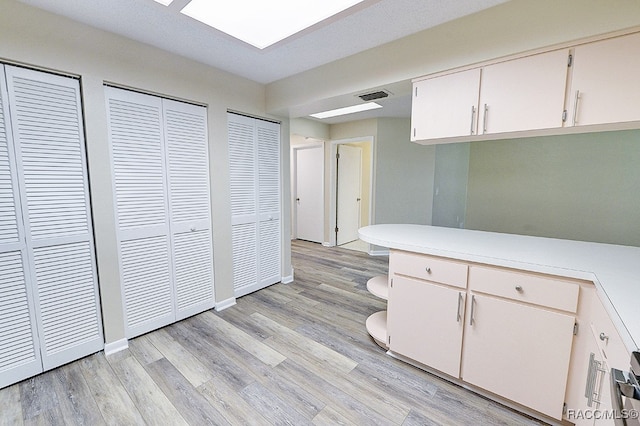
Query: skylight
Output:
(347,110)
(262,23)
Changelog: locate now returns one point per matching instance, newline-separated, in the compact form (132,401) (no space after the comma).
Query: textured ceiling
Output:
(370,24)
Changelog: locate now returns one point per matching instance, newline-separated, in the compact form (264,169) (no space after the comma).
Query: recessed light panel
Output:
(164,2)
(347,110)
(262,23)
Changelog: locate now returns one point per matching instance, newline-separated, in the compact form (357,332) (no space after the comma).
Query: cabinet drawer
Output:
(429,268)
(611,345)
(540,290)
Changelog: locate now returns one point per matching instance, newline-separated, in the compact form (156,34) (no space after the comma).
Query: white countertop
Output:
(615,270)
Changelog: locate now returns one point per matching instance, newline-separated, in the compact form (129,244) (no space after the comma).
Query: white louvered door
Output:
(268,135)
(188,166)
(254,167)
(47,127)
(142,210)
(161,186)
(19,348)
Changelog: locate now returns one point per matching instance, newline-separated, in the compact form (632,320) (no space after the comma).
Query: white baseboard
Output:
(117,346)
(221,306)
(326,244)
(288,279)
(380,252)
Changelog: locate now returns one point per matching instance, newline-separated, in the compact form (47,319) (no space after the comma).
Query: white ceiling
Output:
(365,26)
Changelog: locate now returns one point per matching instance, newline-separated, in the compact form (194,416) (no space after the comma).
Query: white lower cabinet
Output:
(518,351)
(589,398)
(425,323)
(507,332)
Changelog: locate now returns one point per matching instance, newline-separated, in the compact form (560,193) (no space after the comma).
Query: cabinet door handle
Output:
(484,119)
(595,369)
(473,118)
(588,389)
(519,288)
(473,304)
(459,316)
(575,107)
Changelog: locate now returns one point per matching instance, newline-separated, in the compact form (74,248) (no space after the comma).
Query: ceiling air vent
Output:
(379,94)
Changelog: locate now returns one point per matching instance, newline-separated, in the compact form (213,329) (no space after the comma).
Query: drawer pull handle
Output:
(519,288)
(428,270)
(604,337)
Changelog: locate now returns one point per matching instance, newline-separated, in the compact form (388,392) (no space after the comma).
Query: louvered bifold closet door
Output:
(254,166)
(243,172)
(142,211)
(19,349)
(46,118)
(188,166)
(268,135)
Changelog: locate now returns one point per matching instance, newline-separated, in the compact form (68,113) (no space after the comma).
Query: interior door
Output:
(19,350)
(142,209)
(190,222)
(309,196)
(349,178)
(47,124)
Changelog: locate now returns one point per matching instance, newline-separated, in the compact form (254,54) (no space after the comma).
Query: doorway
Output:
(308,193)
(351,197)
(348,188)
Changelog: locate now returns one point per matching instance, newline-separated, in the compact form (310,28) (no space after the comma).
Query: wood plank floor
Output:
(291,354)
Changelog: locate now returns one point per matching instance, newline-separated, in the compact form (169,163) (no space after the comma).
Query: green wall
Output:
(581,187)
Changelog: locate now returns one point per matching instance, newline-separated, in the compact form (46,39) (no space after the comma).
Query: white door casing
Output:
(309,193)
(349,175)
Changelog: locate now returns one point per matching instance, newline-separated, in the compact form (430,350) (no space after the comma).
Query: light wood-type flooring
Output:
(290,354)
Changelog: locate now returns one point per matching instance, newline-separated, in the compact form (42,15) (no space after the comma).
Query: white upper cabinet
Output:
(524,94)
(445,106)
(543,93)
(604,82)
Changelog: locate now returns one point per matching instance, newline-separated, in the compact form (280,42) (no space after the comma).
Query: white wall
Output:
(37,38)
(579,187)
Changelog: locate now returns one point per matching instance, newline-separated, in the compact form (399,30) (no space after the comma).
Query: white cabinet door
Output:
(425,323)
(254,174)
(518,351)
(524,94)
(445,106)
(605,81)
(190,221)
